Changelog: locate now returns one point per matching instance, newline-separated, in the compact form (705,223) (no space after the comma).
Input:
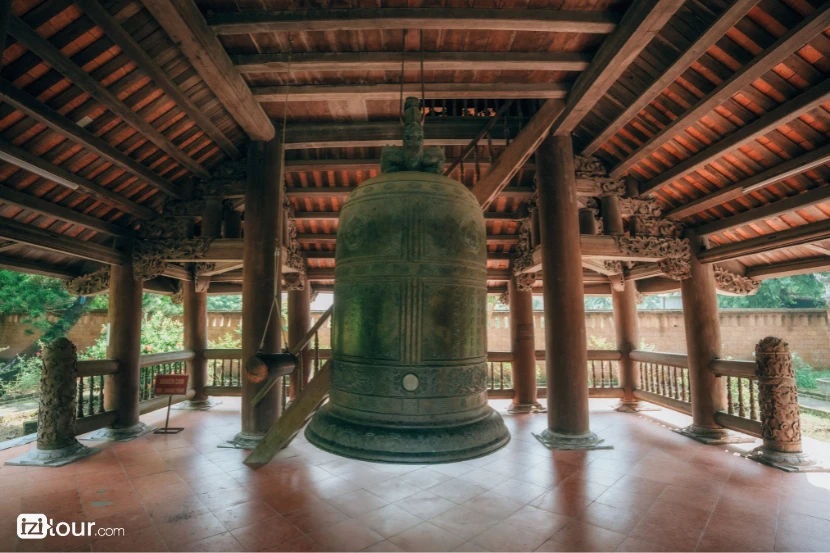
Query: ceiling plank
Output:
(44,207)
(183,21)
(782,48)
(39,166)
(375,19)
(714,33)
(641,22)
(59,243)
(391,61)
(791,268)
(810,99)
(64,126)
(392,92)
(796,236)
(80,78)
(511,160)
(115,32)
(789,168)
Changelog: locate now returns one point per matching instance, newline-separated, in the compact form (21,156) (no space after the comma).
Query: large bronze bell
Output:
(409,328)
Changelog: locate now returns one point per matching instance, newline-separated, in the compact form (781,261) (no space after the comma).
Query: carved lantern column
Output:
(565,338)
(299,323)
(261,281)
(523,344)
(56,442)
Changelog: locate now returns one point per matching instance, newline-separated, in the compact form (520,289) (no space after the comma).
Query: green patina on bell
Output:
(409,328)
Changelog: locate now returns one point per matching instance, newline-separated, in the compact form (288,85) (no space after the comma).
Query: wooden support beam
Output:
(492,239)
(34,268)
(790,268)
(595,246)
(115,32)
(714,33)
(391,61)
(776,53)
(335,215)
(641,22)
(303,165)
(787,169)
(325,191)
(808,100)
(657,285)
(796,236)
(39,166)
(66,245)
(83,80)
(5,15)
(643,271)
(516,154)
(187,28)
(12,196)
(443,19)
(66,127)
(391,92)
(317,274)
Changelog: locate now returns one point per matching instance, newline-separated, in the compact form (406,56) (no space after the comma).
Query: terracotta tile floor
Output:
(655,491)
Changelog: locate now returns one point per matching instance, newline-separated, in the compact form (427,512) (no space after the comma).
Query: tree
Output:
(800,291)
(33,296)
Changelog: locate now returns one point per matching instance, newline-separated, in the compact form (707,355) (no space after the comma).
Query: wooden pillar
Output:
(261,281)
(121,390)
(212,218)
(232,224)
(299,323)
(587,222)
(523,348)
(703,344)
(195,338)
(565,337)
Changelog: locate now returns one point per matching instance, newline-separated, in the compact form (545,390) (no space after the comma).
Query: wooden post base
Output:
(589,440)
(713,436)
(525,408)
(633,406)
(788,462)
(53,457)
(121,434)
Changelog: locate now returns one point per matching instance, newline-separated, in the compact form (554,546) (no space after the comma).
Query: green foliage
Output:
(597,303)
(224,303)
(598,342)
(159,334)
(228,341)
(27,379)
(802,291)
(34,296)
(156,304)
(806,375)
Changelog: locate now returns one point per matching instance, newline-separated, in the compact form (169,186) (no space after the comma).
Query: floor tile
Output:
(392,490)
(389,520)
(357,502)
(538,521)
(457,491)
(493,505)
(191,529)
(425,505)
(580,536)
(426,537)
(506,537)
(315,517)
(463,522)
(266,534)
(350,535)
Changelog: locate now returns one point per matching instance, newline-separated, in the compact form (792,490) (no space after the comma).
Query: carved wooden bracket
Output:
(675,253)
(150,256)
(734,283)
(90,284)
(642,225)
(523,256)
(164,227)
(294,257)
(201,280)
(294,281)
(524,281)
(188,208)
(647,208)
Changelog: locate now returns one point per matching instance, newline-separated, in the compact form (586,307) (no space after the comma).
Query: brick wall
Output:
(805,329)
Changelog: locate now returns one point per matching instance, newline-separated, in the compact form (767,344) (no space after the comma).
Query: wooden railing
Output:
(743,412)
(664,379)
(91,414)
(154,364)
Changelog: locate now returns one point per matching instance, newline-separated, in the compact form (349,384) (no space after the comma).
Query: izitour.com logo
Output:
(37,527)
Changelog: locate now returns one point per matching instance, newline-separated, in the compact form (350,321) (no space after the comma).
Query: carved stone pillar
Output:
(299,323)
(778,400)
(565,338)
(56,443)
(523,345)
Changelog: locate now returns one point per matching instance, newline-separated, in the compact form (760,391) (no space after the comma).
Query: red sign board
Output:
(171,384)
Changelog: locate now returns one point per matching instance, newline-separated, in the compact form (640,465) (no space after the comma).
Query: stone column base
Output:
(523,408)
(120,434)
(243,440)
(789,462)
(714,436)
(197,405)
(634,406)
(552,440)
(53,457)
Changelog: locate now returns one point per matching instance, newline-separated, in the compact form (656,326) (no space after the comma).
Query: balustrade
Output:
(91,385)
(160,363)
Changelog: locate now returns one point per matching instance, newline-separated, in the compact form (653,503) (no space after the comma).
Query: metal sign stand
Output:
(167,429)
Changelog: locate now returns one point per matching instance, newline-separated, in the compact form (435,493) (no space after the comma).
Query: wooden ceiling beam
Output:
(714,33)
(330,239)
(511,160)
(35,268)
(66,127)
(26,36)
(392,92)
(391,61)
(186,26)
(34,164)
(782,48)
(641,22)
(305,165)
(22,200)
(796,236)
(442,19)
(59,243)
(790,268)
(335,215)
(808,100)
(777,173)
(115,32)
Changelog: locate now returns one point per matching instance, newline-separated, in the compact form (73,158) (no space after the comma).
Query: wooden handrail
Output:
(97,367)
(593,355)
(661,358)
(737,368)
(223,353)
(300,346)
(166,357)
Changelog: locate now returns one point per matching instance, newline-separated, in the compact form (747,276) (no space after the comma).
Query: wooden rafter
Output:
(714,33)
(516,154)
(790,268)
(433,61)
(808,28)
(113,29)
(66,127)
(183,21)
(391,92)
(34,268)
(641,22)
(48,240)
(475,19)
(796,236)
(810,99)
(80,78)
(39,166)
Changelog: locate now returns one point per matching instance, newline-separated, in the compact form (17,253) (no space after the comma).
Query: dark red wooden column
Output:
(523,348)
